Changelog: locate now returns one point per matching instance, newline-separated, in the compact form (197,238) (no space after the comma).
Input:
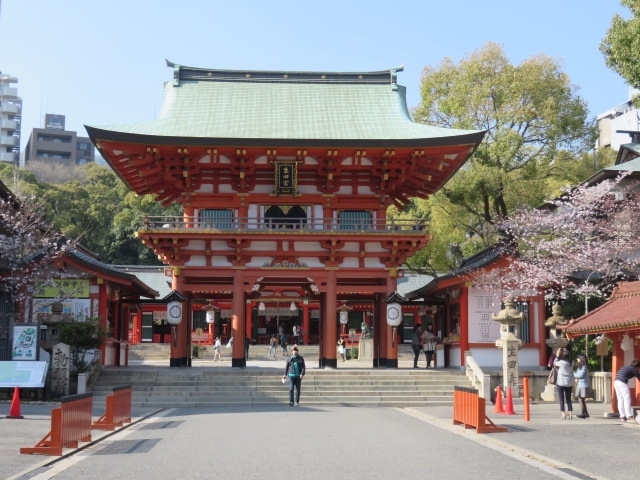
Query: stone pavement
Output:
(598,447)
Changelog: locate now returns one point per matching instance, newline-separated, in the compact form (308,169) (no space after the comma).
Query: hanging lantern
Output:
(212,313)
(394,314)
(344,314)
(174,312)
(262,307)
(293,307)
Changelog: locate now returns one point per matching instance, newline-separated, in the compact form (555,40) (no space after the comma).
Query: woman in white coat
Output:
(564,382)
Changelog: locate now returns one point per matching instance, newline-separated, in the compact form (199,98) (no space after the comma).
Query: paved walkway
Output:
(595,448)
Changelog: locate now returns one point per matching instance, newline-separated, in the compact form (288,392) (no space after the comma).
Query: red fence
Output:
(70,424)
(118,409)
(469,410)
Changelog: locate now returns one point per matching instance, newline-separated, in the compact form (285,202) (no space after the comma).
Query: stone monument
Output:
(509,317)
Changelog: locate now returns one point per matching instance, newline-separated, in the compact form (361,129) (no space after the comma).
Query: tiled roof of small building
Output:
(620,313)
(150,275)
(305,106)
(136,285)
(482,259)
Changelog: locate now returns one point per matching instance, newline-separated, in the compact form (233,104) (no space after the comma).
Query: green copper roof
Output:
(308,106)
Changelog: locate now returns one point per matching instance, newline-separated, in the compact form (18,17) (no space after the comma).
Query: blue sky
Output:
(103,62)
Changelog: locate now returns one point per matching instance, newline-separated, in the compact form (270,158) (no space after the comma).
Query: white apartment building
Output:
(615,125)
(10,117)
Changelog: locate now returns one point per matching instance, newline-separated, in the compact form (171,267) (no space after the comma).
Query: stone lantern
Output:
(52,324)
(509,342)
(555,341)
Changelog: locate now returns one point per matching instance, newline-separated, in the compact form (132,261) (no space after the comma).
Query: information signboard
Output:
(23,374)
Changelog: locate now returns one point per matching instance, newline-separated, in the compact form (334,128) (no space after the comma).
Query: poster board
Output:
(24,342)
(23,374)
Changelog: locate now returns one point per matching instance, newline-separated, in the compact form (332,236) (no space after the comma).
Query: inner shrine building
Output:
(285,179)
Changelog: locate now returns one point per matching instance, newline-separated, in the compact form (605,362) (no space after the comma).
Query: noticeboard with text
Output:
(23,374)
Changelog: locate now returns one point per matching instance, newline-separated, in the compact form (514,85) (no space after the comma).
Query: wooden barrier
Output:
(469,410)
(70,424)
(118,409)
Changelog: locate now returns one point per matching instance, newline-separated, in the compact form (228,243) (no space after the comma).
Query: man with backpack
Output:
(295,370)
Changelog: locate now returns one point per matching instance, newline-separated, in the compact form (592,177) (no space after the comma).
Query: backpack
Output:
(294,367)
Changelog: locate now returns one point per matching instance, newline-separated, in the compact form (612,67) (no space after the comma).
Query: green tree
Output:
(82,334)
(533,117)
(621,44)
(99,210)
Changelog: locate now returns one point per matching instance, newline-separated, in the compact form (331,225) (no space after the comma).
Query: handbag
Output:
(553,376)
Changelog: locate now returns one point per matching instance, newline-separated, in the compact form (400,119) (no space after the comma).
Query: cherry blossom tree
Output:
(581,243)
(28,249)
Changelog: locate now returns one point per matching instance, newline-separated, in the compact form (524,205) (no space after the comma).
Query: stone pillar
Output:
(60,368)
(509,317)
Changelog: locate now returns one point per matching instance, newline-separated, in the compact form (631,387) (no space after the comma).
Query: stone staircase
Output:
(164,387)
(157,352)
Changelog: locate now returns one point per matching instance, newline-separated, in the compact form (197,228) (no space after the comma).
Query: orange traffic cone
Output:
(509,408)
(14,411)
(498,408)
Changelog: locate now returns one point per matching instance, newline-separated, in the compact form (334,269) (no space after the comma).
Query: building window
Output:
(214,218)
(53,138)
(56,155)
(354,220)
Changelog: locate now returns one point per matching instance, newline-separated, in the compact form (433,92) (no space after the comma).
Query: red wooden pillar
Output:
(179,333)
(538,318)
(617,362)
(464,322)
(392,338)
(380,332)
(330,324)
(103,313)
(248,314)
(305,321)
(237,321)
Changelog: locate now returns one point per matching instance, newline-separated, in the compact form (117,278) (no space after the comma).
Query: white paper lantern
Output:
(174,312)
(211,316)
(394,314)
(344,317)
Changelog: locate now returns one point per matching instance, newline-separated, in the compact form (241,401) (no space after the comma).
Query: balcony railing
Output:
(288,225)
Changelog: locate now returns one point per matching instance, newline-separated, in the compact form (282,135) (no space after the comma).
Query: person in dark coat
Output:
(295,370)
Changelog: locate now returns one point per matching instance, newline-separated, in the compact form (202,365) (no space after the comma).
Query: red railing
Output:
(469,410)
(70,424)
(118,409)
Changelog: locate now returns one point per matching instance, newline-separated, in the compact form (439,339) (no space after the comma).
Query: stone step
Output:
(164,387)
(161,351)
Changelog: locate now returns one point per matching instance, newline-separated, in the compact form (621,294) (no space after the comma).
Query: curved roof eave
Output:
(100,134)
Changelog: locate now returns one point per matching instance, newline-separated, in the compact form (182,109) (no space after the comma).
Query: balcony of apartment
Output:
(6,124)
(10,108)
(8,92)
(10,157)
(300,226)
(9,140)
